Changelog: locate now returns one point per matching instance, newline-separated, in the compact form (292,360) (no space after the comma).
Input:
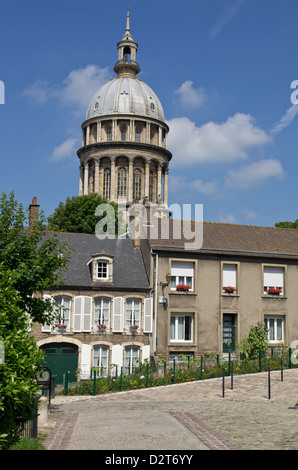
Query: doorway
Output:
(61,358)
(228,332)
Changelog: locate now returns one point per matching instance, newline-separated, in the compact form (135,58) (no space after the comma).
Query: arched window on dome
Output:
(108,130)
(121,183)
(107,183)
(127,54)
(123,130)
(138,134)
(137,184)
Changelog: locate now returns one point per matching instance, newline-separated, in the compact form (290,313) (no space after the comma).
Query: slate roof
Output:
(232,238)
(128,268)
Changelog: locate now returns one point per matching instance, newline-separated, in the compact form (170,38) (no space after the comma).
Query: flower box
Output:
(274,291)
(182,288)
(61,326)
(229,290)
(102,328)
(134,328)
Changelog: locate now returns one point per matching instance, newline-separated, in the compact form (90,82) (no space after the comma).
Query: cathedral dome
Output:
(125,95)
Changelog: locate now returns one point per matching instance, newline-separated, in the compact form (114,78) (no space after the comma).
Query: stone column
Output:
(113,179)
(87,135)
(165,189)
(96,176)
(81,185)
(86,178)
(130,179)
(160,137)
(99,131)
(159,183)
(147,169)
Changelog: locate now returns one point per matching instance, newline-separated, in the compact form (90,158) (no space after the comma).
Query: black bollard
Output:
(269,384)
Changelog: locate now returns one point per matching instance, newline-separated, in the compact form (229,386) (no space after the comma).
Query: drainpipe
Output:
(155,302)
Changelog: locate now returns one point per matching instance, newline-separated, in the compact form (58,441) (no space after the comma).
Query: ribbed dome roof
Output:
(125,95)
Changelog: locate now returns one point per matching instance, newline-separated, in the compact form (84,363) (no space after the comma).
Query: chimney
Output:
(33,212)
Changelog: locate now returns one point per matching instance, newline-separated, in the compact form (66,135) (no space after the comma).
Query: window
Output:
(123,130)
(100,360)
(62,312)
(182,273)
(275,327)
(137,184)
(109,133)
(107,184)
(229,278)
(138,134)
(131,359)
(102,312)
(121,188)
(273,280)
(181,328)
(102,270)
(133,312)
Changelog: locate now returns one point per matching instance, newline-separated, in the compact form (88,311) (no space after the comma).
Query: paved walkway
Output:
(188,416)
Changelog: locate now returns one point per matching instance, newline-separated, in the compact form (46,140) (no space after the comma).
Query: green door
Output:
(228,332)
(61,358)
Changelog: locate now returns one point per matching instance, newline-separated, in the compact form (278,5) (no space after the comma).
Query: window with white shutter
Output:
(148,315)
(182,273)
(118,312)
(273,280)
(229,278)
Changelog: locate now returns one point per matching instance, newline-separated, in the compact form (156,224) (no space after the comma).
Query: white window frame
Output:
(131,359)
(98,358)
(273,319)
(182,272)
(174,338)
(105,267)
(102,312)
(60,302)
(134,317)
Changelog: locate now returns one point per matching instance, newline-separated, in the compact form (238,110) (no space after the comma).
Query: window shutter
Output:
(77,314)
(273,277)
(148,315)
(118,308)
(85,361)
(46,328)
(86,314)
(182,268)
(229,275)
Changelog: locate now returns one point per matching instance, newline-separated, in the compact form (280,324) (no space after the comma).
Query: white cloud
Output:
(65,150)
(250,175)
(190,96)
(76,90)
(201,187)
(213,142)
(224,19)
(286,119)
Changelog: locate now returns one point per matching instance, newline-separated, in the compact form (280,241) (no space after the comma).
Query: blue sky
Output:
(222,70)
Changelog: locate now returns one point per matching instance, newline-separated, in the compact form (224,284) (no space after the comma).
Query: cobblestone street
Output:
(189,416)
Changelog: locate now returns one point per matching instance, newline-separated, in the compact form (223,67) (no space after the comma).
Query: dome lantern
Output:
(127,53)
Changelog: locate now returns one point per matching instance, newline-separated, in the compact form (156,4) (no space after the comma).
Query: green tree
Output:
(77,215)
(287,224)
(256,341)
(22,362)
(37,257)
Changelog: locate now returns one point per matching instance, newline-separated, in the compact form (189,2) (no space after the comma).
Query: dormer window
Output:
(101,266)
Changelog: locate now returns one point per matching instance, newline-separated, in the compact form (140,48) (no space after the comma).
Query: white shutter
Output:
(77,315)
(182,269)
(146,353)
(117,357)
(45,327)
(229,275)
(85,361)
(118,309)
(86,314)
(148,315)
(273,277)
